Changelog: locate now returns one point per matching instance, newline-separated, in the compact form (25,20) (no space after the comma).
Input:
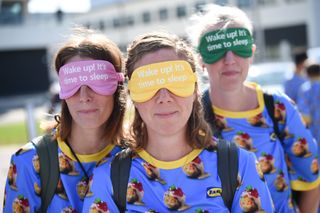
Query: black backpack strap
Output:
(208,113)
(120,171)
(228,170)
(47,149)
(269,103)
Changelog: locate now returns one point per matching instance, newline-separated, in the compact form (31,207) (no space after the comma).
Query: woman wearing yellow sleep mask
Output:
(176,76)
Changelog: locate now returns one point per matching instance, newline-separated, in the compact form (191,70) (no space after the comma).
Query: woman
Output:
(89,66)
(223,37)
(173,167)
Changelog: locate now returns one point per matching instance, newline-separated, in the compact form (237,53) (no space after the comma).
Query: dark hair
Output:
(300,57)
(198,131)
(88,43)
(313,70)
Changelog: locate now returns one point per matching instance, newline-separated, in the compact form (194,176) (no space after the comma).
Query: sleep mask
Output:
(99,75)
(176,76)
(214,45)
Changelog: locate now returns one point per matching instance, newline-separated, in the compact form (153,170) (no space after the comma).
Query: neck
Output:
(86,141)
(238,100)
(168,147)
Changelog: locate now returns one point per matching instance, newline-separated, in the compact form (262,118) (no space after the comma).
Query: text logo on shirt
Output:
(213,192)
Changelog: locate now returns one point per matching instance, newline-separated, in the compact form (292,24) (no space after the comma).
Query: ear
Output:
(201,63)
(254,47)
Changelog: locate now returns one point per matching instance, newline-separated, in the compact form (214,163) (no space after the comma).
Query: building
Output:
(281,27)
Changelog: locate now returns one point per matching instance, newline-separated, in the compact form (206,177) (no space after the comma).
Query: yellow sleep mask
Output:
(176,76)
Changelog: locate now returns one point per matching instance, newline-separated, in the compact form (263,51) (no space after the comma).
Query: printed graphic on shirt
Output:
(214,192)
(152,172)
(258,121)
(69,209)
(266,162)
(61,191)
(12,176)
(36,163)
(89,193)
(280,182)
(37,188)
(250,200)
(259,171)
(280,112)
(66,165)
(21,204)
(300,148)
(289,164)
(199,210)
(135,192)
(221,123)
(82,187)
(175,199)
(244,140)
(99,206)
(195,169)
(315,166)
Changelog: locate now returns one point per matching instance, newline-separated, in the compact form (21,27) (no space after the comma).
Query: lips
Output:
(229,73)
(165,114)
(87,111)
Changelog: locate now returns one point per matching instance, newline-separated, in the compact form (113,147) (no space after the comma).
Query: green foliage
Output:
(15,133)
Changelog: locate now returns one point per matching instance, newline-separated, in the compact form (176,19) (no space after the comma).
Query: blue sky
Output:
(51,6)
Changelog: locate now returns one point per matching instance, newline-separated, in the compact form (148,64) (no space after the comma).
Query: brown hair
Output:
(88,43)
(198,131)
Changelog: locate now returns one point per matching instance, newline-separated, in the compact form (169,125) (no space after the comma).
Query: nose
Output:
(163,96)
(84,94)
(229,57)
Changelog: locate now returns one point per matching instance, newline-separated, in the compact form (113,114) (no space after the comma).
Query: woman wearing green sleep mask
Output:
(223,38)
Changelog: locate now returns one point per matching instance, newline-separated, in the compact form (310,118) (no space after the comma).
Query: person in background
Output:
(223,38)
(292,85)
(173,168)
(89,67)
(309,101)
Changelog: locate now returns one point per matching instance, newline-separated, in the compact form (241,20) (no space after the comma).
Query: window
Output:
(221,2)
(244,3)
(199,6)
(116,22)
(146,17)
(130,21)
(101,25)
(11,12)
(181,11)
(163,14)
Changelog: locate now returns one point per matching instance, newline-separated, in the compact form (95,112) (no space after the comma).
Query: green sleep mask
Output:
(214,45)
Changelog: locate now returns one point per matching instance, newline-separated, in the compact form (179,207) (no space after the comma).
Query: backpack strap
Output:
(47,150)
(208,113)
(269,103)
(228,170)
(120,171)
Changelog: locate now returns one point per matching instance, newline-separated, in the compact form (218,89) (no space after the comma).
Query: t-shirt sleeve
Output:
(299,146)
(22,187)
(252,194)
(99,197)
(303,102)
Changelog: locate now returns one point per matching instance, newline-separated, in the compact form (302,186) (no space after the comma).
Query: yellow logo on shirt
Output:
(214,192)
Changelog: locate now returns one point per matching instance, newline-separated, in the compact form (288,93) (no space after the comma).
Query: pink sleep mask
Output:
(99,75)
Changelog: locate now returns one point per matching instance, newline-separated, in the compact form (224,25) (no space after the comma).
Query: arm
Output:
(253,193)
(309,201)
(23,184)
(303,102)
(301,150)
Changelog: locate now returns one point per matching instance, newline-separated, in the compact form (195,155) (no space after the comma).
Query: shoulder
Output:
(26,150)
